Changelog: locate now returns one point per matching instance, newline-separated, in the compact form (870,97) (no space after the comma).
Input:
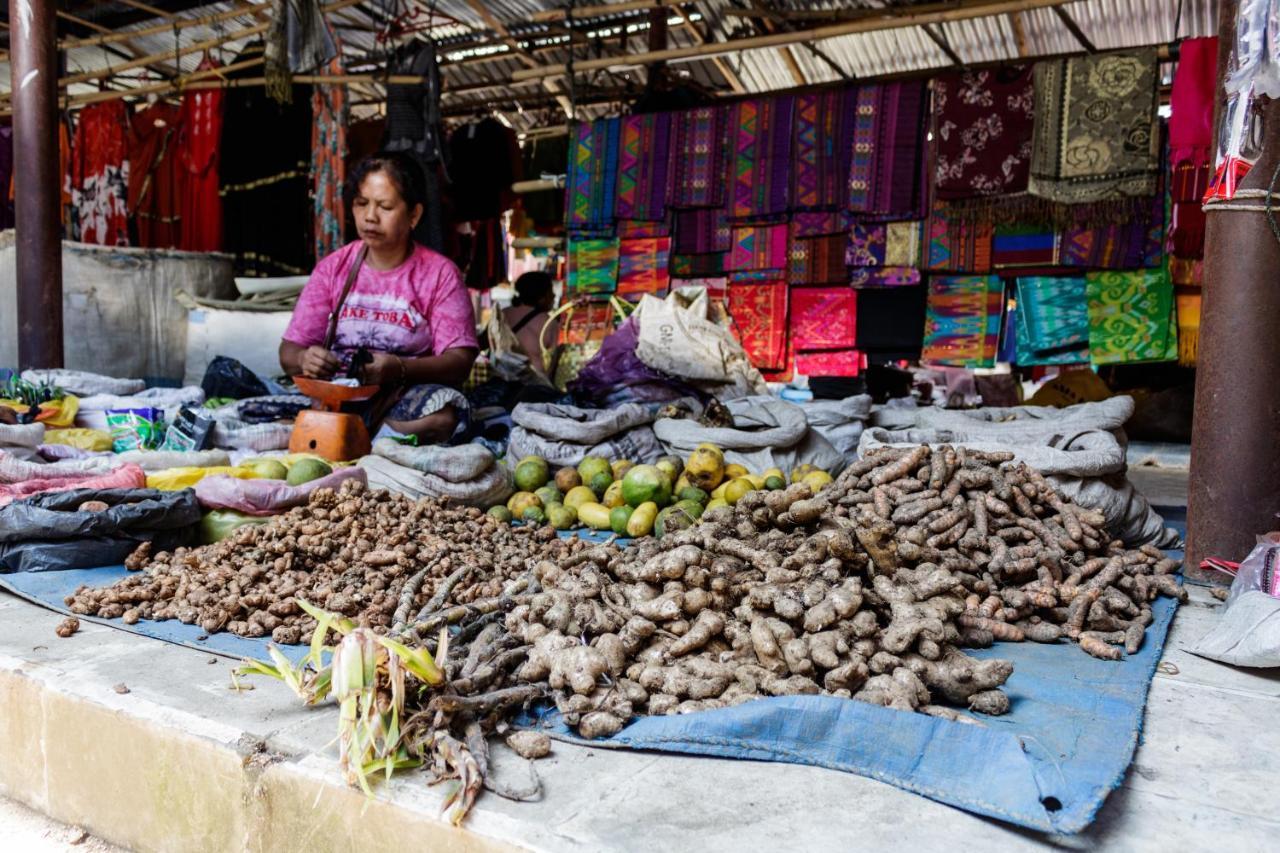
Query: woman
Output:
(527,316)
(397,309)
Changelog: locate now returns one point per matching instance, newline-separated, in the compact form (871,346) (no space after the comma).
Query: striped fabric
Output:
(644,154)
(962,320)
(593,167)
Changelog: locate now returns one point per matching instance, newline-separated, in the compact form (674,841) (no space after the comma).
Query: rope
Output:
(1240,201)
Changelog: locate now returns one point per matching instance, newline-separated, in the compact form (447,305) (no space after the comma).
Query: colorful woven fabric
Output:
(759,313)
(868,242)
(593,266)
(823,318)
(592,177)
(1096,130)
(817,260)
(697,266)
(962,320)
(956,244)
(1191,148)
(902,244)
(702,230)
(823,127)
(819,223)
(758,248)
(886,178)
(643,266)
(982,125)
(633,229)
(1188,309)
(1131,317)
(1024,246)
(884,276)
(1052,320)
(846,362)
(700,149)
(761,133)
(1134,244)
(644,154)
(1186,272)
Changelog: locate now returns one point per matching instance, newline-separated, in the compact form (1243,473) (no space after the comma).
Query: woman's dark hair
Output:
(532,288)
(401,168)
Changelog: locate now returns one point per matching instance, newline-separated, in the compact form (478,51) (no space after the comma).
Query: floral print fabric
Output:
(983,122)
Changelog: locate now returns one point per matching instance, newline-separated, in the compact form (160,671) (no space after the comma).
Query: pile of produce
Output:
(868,589)
(638,500)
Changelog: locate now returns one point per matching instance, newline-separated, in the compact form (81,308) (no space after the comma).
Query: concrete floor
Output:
(22,829)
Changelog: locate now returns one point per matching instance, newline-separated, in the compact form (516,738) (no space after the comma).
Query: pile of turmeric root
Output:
(870,590)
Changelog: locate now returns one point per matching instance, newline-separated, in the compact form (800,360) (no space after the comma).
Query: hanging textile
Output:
(817,260)
(888,324)
(819,223)
(1052,323)
(100,175)
(643,266)
(1024,246)
(702,230)
(481,253)
(759,312)
(867,244)
(414,126)
(199,135)
(631,229)
(902,244)
(644,151)
(1191,146)
(962,320)
(761,132)
(823,128)
(155,191)
(867,255)
(957,244)
(846,362)
(1133,244)
(1188,308)
(758,248)
(484,161)
(593,266)
(886,177)
(6,175)
(1096,131)
(593,171)
(1131,317)
(823,318)
(700,148)
(328,170)
(982,125)
(698,266)
(266,209)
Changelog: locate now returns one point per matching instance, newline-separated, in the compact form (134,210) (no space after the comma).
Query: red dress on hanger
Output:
(100,175)
(154,195)
(200,129)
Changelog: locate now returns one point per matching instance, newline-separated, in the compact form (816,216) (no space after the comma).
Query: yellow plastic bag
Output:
(172,479)
(85,439)
(56,414)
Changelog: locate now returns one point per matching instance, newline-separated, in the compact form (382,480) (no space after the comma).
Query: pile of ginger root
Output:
(869,590)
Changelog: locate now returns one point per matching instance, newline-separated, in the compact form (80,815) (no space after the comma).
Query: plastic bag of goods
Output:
(268,497)
(565,435)
(1248,629)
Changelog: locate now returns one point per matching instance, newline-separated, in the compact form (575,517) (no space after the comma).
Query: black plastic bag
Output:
(226,377)
(48,532)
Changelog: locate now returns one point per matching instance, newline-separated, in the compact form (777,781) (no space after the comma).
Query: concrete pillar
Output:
(33,57)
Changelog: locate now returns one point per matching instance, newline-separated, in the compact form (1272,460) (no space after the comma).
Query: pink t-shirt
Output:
(419,308)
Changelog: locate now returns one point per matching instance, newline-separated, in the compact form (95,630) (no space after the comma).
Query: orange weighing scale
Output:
(326,430)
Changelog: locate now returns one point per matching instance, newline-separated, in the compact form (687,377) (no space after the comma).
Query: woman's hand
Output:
(385,369)
(318,363)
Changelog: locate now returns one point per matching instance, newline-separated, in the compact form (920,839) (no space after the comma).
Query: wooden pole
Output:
(896,20)
(33,72)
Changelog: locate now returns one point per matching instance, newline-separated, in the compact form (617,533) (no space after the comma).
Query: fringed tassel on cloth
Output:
(1188,327)
(279,82)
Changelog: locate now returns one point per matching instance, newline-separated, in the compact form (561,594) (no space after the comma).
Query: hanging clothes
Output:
(264,178)
(413,126)
(328,168)
(199,134)
(100,175)
(484,161)
(154,194)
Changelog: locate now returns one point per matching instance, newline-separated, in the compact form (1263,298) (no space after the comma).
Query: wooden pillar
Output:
(33,55)
(1235,445)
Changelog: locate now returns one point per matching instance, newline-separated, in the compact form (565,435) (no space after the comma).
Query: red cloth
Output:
(845,362)
(124,477)
(154,194)
(200,129)
(759,312)
(823,318)
(100,175)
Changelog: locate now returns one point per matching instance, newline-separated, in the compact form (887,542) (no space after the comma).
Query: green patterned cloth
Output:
(1131,317)
(593,266)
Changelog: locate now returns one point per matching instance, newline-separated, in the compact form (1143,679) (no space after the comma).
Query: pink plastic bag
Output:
(267,497)
(124,477)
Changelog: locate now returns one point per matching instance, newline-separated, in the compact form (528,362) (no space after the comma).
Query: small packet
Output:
(190,430)
(135,429)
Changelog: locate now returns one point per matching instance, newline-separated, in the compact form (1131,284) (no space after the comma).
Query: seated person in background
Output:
(401,302)
(527,317)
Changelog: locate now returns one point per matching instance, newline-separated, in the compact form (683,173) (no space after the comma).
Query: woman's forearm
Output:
(451,367)
(291,358)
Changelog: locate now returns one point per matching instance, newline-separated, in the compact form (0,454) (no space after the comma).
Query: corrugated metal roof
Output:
(460,28)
